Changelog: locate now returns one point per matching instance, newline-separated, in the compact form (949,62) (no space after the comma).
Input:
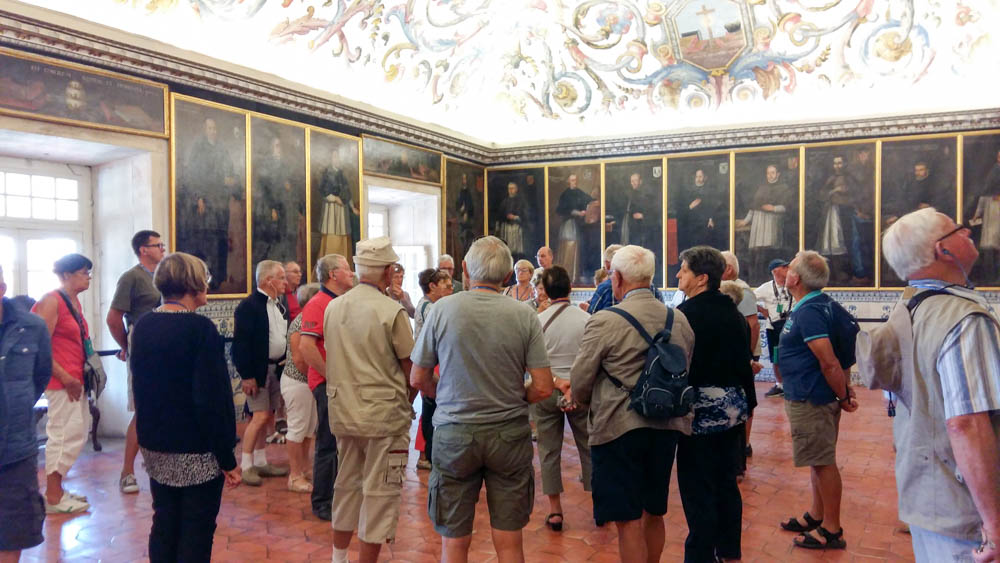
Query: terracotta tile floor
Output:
(271,524)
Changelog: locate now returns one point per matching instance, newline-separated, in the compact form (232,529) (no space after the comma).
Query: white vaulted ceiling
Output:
(510,72)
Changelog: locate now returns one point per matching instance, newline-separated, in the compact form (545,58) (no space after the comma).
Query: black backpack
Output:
(844,333)
(662,390)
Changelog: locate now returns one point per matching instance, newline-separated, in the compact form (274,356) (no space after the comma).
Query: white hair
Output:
(635,264)
(732,261)
(370,273)
(908,244)
(265,269)
(609,252)
(812,269)
(489,260)
(446,258)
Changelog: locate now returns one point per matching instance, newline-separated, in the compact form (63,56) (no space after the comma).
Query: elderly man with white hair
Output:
(947,437)
(258,352)
(368,342)
(447,263)
(631,455)
(484,343)
(815,355)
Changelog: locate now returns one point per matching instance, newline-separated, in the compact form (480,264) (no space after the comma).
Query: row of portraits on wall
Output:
(224,157)
(761,203)
(752,201)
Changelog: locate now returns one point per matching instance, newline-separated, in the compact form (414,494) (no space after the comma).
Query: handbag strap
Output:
(75,313)
(79,323)
(553,317)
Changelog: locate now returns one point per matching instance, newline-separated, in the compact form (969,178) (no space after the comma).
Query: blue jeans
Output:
(932,547)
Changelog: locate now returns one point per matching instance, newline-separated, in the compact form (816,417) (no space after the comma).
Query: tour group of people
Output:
(493,355)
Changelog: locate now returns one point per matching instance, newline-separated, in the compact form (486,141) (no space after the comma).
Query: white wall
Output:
(130,191)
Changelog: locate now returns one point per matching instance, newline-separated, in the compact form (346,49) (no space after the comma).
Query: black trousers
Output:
(428,406)
(325,456)
(707,465)
(184,521)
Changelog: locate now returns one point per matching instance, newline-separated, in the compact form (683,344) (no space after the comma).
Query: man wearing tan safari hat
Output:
(368,344)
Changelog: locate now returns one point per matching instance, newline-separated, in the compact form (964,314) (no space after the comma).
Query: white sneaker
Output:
(81,498)
(128,484)
(67,505)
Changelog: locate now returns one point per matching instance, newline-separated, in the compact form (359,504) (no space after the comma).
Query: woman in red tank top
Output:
(69,412)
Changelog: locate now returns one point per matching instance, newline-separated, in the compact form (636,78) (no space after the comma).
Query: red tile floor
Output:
(272,524)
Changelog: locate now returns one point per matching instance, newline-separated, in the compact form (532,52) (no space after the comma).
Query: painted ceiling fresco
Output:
(527,71)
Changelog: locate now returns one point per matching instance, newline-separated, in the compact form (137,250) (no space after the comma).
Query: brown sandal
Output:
(554,526)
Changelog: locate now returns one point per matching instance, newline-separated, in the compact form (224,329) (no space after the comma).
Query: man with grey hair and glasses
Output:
(484,343)
(815,356)
(447,263)
(941,359)
(336,278)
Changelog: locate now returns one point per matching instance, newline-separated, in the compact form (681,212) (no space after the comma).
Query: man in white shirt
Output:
(775,303)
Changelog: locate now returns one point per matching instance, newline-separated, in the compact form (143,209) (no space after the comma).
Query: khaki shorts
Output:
(268,398)
(465,455)
(368,486)
(814,432)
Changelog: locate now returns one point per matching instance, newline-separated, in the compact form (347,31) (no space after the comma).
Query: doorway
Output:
(410,215)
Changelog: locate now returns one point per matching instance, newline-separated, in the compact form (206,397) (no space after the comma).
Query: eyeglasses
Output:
(161,246)
(957,229)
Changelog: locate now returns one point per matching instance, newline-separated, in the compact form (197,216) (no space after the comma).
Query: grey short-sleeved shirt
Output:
(748,305)
(135,295)
(484,342)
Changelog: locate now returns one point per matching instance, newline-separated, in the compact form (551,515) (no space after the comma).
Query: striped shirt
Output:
(969,362)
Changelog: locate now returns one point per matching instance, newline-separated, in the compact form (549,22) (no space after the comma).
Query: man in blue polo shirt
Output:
(603,297)
(817,388)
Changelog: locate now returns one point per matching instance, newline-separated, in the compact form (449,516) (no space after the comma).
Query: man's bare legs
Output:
(641,540)
(10,556)
(508,545)
(369,551)
(131,451)
(826,492)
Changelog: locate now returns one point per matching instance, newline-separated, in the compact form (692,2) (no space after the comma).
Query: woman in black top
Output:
(708,460)
(185,419)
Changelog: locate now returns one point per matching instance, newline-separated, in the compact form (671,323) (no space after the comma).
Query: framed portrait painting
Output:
(840,214)
(767,210)
(209,187)
(334,195)
(53,90)
(398,160)
(633,207)
(697,206)
(465,191)
(981,203)
(574,208)
(278,190)
(916,173)
(517,209)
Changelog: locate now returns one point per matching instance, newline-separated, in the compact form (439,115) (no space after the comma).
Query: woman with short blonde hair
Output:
(184,415)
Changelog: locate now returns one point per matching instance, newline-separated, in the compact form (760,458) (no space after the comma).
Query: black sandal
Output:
(793,524)
(829,540)
(554,526)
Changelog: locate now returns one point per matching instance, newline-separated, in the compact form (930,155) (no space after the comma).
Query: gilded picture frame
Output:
(209,190)
(59,91)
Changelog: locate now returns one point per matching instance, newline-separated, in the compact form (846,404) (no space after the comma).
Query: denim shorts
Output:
(22,509)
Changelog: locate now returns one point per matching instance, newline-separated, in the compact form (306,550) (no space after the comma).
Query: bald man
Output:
(544,257)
